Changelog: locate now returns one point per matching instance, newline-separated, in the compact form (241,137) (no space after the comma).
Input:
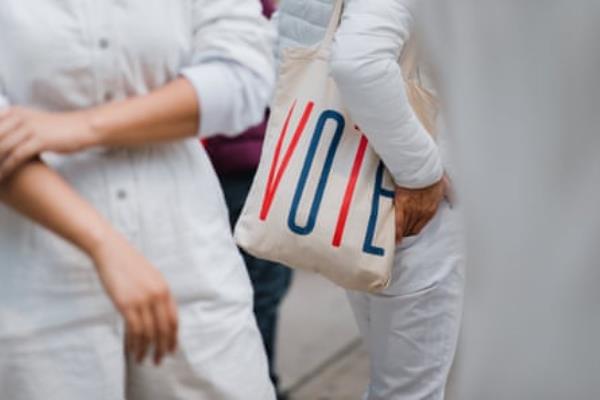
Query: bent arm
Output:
(364,63)
(136,288)
(169,113)
(42,195)
(223,89)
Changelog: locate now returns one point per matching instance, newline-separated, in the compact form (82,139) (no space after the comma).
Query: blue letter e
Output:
(379,192)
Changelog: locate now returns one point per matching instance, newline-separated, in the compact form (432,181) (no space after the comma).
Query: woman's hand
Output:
(137,289)
(25,133)
(416,207)
(141,295)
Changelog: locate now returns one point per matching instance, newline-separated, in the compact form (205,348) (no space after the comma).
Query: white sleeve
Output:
(364,63)
(3,100)
(231,67)
(277,43)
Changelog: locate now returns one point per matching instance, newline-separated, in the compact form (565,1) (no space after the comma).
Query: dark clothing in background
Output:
(270,281)
(238,155)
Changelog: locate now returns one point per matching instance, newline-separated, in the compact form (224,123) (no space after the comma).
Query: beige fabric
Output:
(421,99)
(304,77)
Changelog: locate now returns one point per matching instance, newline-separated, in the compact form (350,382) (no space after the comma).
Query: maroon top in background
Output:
(240,154)
(268,8)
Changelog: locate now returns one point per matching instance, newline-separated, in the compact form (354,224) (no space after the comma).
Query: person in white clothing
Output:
(411,328)
(106,194)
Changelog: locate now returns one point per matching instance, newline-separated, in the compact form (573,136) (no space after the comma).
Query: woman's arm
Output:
(365,65)
(169,113)
(224,89)
(136,288)
(34,190)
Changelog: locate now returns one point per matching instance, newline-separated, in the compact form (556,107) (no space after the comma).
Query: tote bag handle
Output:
(332,28)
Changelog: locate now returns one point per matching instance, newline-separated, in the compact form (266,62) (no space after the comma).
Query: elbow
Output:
(249,104)
(345,70)
(231,97)
(344,65)
(351,67)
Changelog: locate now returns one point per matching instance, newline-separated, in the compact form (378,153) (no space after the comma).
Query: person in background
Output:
(107,196)
(411,328)
(236,160)
(520,89)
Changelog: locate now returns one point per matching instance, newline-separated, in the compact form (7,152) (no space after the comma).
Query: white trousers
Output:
(61,338)
(88,361)
(411,329)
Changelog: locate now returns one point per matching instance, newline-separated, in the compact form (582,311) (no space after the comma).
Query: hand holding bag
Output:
(321,200)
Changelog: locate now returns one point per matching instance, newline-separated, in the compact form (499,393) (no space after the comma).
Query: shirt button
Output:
(121,194)
(103,43)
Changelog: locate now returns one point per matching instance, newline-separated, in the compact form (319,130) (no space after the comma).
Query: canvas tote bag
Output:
(321,200)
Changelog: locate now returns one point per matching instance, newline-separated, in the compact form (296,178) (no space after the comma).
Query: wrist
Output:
(96,239)
(430,187)
(97,127)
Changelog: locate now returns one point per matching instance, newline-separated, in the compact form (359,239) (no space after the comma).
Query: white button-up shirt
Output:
(72,54)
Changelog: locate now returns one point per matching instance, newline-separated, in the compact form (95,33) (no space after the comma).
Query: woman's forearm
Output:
(41,195)
(168,113)
(171,112)
(136,288)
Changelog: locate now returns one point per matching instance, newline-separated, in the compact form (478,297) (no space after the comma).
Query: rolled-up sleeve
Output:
(232,66)
(364,63)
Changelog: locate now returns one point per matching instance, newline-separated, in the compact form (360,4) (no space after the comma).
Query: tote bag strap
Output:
(332,28)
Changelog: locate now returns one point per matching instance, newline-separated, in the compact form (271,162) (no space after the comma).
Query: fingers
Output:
(422,221)
(163,332)
(8,124)
(411,218)
(166,324)
(430,205)
(148,336)
(18,140)
(400,220)
(152,324)
(11,140)
(134,330)
(173,323)
(23,152)
(10,133)
(142,296)
(17,144)
(167,328)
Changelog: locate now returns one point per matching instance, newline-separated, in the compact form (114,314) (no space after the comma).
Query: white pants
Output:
(61,338)
(87,361)
(411,329)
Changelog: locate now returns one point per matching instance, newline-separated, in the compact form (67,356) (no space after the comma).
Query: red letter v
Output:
(276,172)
